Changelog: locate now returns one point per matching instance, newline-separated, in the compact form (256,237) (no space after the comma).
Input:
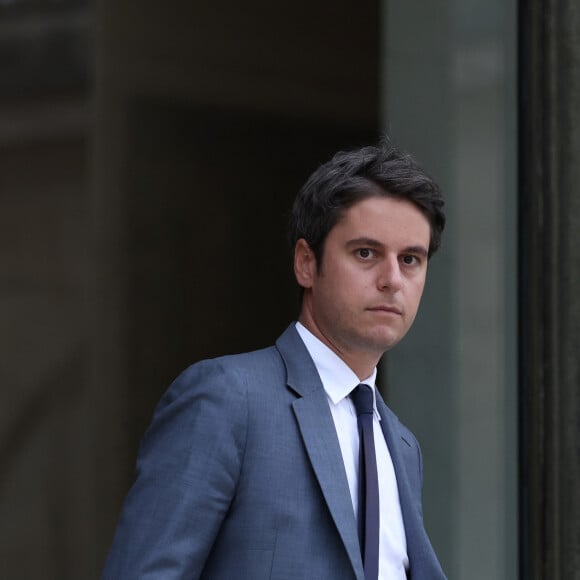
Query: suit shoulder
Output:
(234,373)
(265,362)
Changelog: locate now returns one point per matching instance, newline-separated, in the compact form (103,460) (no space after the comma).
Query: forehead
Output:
(384,218)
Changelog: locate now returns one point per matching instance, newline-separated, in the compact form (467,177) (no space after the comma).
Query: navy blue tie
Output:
(362,397)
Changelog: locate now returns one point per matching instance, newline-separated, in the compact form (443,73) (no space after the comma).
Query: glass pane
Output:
(449,97)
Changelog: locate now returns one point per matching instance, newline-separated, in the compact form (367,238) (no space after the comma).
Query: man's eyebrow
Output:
(372,243)
(369,242)
(419,250)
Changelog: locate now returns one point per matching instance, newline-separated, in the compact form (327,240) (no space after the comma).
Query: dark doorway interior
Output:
(208,197)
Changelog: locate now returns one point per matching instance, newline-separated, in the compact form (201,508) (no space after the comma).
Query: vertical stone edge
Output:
(549,282)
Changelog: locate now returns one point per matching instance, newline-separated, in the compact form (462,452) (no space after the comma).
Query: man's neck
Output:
(362,363)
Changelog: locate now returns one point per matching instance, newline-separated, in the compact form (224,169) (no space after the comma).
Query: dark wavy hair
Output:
(351,176)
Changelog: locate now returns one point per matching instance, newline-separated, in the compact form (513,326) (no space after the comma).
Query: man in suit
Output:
(252,467)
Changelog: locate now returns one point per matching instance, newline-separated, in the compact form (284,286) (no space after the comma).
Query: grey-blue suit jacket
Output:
(240,477)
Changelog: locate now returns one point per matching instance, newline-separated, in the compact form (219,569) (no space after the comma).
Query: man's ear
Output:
(304,264)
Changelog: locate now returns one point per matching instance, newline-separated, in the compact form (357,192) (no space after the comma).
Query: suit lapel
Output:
(393,439)
(319,436)
(419,550)
(324,453)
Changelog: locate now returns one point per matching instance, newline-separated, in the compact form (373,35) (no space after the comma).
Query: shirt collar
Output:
(338,379)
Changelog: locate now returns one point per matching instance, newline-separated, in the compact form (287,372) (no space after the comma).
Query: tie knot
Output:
(362,397)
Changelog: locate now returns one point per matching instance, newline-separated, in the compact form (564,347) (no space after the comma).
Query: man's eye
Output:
(409,260)
(365,253)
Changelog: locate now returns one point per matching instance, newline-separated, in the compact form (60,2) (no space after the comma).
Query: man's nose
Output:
(390,274)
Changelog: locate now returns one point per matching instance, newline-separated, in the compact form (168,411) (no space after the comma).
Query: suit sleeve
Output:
(187,470)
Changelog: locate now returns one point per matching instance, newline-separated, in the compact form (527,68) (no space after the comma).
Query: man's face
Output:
(365,295)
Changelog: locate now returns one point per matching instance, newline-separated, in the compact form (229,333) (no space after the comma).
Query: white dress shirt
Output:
(338,381)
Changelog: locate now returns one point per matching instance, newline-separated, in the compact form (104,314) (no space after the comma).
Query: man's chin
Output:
(383,342)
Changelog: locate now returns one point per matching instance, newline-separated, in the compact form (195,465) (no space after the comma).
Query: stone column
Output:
(550,285)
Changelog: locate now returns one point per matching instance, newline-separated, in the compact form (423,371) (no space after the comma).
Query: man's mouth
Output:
(387,308)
